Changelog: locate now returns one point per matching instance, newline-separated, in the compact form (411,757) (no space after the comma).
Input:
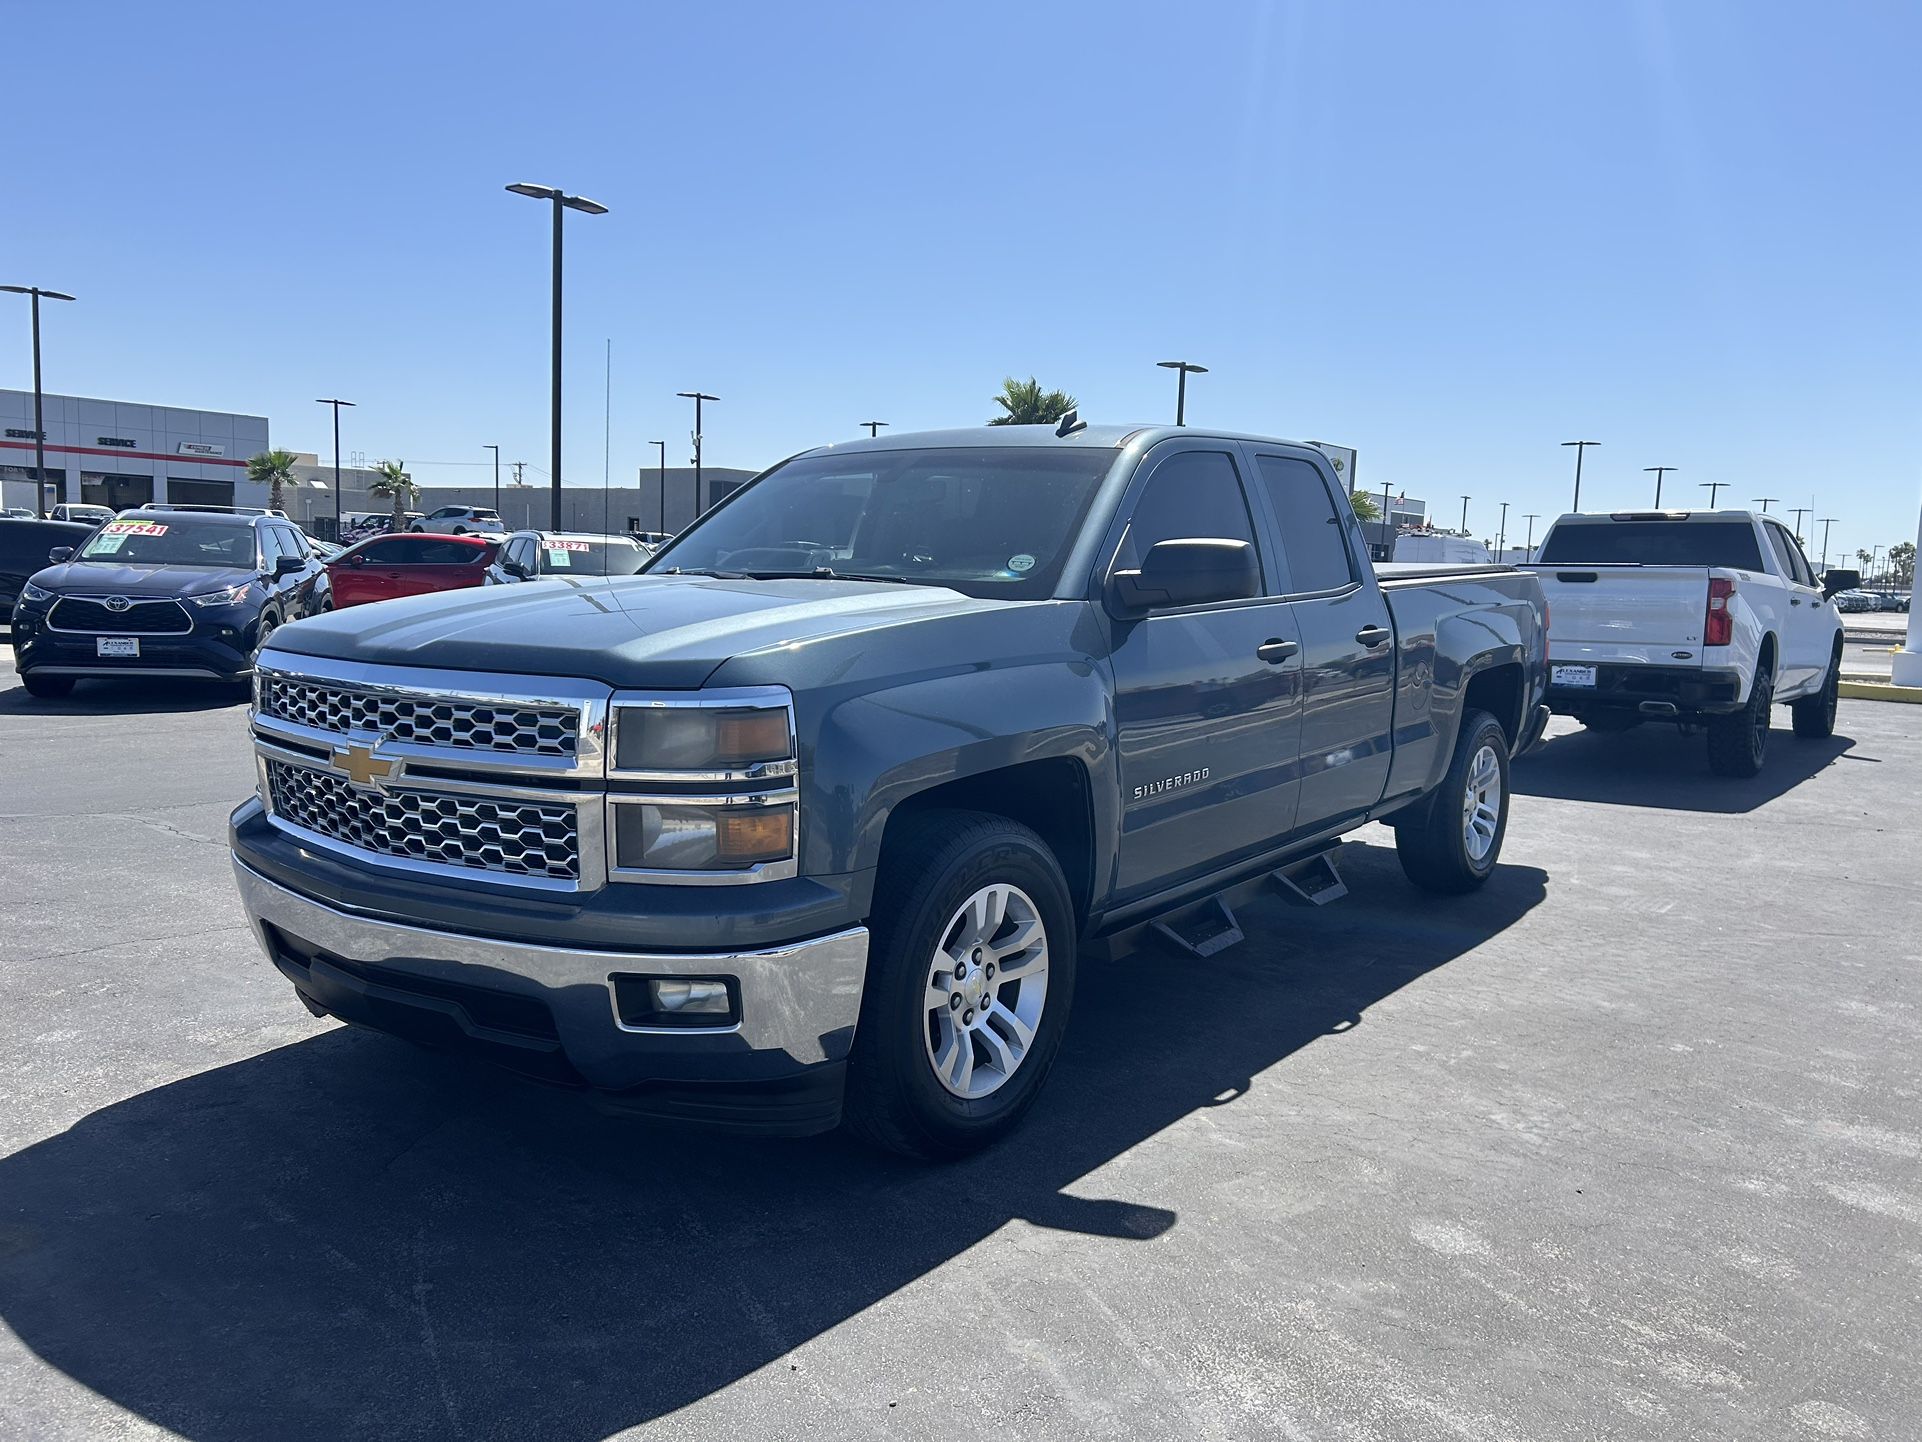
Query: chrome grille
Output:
(137,618)
(517,838)
(427,721)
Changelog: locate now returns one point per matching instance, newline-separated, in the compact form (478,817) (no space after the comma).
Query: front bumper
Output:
(1623,686)
(219,648)
(549,1011)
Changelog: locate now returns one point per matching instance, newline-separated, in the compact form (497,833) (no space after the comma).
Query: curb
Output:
(1880,691)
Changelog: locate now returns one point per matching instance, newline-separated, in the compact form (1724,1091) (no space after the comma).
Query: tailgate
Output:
(1648,615)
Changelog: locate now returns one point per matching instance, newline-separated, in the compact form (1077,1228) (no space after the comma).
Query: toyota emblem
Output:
(117,604)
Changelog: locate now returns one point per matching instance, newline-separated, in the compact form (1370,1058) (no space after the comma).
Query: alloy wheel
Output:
(987,983)
(1482,804)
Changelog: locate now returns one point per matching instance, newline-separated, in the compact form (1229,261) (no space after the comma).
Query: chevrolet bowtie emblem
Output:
(362,767)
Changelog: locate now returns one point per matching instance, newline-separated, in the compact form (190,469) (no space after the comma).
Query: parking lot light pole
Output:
(336,404)
(1465,501)
(39,417)
(1798,512)
(1660,471)
(1580,447)
(1501,533)
(1826,521)
(874,428)
(497,476)
(662,446)
(697,397)
(1528,546)
(1715,488)
(561,201)
(1763,502)
(1184,369)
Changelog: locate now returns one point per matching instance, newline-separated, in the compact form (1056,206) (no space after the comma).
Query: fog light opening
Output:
(677,1001)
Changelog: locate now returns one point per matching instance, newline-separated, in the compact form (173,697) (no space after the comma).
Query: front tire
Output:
(970,975)
(1814,716)
(1453,841)
(47,688)
(1738,741)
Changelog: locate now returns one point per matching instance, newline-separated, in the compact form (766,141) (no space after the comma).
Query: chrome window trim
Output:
(781,870)
(762,697)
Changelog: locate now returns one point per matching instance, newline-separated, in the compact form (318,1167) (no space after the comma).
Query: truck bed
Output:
(1392,573)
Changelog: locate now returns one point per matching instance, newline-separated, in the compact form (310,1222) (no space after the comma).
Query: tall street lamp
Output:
(1184,369)
(1660,471)
(1715,488)
(39,416)
(1763,502)
(336,404)
(1826,521)
(697,397)
(874,428)
(1798,512)
(662,446)
(1528,546)
(561,201)
(1465,501)
(497,476)
(1580,446)
(1501,533)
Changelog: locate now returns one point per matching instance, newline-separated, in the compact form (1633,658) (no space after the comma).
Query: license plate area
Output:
(120,646)
(1571,676)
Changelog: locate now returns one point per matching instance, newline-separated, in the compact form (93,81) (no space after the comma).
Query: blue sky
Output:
(1450,235)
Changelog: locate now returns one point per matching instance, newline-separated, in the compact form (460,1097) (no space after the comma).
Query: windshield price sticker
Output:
(568,546)
(135,528)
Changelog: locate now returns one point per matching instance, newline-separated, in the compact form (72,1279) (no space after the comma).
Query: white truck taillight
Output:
(1718,626)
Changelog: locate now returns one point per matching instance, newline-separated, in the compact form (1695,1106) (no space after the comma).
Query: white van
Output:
(1448,550)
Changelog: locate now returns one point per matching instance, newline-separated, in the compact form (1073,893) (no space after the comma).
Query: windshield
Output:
(570,557)
(173,542)
(1653,543)
(988,521)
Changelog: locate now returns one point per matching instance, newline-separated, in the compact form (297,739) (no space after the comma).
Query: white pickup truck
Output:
(1704,618)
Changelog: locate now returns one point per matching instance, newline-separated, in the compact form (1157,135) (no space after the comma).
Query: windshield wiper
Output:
(704,571)
(828,573)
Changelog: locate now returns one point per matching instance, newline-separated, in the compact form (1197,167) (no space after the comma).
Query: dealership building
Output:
(118,454)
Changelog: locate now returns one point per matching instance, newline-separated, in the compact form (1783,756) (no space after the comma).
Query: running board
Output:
(1203,929)
(1312,882)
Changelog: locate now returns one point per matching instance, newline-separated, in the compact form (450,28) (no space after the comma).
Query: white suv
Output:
(462,521)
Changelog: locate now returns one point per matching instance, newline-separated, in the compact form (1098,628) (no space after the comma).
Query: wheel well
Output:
(1498,691)
(1051,797)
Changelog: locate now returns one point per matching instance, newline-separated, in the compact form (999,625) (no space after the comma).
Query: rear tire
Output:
(1814,716)
(1453,841)
(1738,741)
(932,935)
(47,688)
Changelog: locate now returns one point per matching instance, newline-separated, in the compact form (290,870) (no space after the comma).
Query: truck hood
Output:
(669,632)
(104,578)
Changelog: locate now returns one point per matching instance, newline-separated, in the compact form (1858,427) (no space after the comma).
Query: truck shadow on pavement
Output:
(348,1237)
(1655,765)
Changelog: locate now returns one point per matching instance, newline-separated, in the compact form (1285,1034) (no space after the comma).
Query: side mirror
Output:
(59,554)
(357,559)
(287,566)
(1188,572)
(517,568)
(1836,581)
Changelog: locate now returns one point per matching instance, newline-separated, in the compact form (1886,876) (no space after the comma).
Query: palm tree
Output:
(274,470)
(1365,507)
(1026,404)
(394,481)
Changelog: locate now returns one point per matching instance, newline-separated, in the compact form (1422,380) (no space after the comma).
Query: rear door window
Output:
(1314,533)
(1793,566)
(1653,543)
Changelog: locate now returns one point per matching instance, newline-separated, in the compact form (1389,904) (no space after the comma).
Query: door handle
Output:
(1795,600)
(1275,652)
(1373,636)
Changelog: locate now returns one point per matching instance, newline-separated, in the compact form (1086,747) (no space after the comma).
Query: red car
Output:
(384,567)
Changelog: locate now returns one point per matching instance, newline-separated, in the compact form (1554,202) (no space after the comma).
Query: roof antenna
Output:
(1069,423)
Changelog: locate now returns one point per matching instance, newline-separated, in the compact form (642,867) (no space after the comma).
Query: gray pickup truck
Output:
(812,820)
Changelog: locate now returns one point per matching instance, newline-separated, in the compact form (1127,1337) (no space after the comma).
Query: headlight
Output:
(704,834)
(712,740)
(226,596)
(31,592)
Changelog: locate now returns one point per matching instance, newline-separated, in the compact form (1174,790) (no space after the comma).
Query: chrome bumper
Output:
(799,1003)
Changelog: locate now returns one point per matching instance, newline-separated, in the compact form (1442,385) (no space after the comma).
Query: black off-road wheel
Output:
(1814,716)
(47,688)
(970,975)
(1738,741)
(1453,840)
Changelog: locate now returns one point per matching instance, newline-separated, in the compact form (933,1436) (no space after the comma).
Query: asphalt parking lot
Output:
(1624,1146)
